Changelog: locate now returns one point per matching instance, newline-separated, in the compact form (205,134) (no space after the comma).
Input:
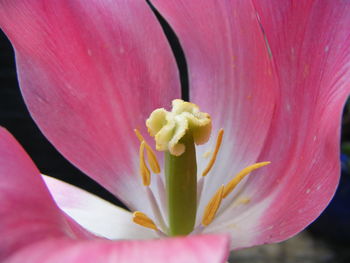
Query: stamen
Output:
(155,208)
(197,230)
(213,206)
(151,156)
(139,135)
(200,185)
(239,177)
(144,171)
(162,196)
(143,220)
(152,159)
(215,153)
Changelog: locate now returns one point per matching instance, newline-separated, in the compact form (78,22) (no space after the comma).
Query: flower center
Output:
(176,133)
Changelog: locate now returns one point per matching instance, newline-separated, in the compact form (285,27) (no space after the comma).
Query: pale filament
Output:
(139,217)
(142,219)
(200,183)
(215,153)
(214,203)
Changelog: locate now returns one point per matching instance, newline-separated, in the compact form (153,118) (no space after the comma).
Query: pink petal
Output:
(33,229)
(90,73)
(27,211)
(310,45)
(231,77)
(197,249)
(93,213)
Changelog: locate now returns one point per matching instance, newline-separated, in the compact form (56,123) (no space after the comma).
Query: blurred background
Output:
(327,240)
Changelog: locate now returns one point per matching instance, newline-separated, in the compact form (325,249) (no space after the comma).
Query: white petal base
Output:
(95,214)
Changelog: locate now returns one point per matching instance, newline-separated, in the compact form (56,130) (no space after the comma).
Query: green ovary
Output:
(181,188)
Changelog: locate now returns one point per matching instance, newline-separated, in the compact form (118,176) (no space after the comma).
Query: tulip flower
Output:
(273,76)
(33,229)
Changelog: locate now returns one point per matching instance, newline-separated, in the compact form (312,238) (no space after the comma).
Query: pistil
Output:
(181,188)
(176,133)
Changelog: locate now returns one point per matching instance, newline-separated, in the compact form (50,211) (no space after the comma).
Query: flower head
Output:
(273,74)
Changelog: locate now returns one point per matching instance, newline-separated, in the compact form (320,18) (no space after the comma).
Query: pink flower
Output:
(33,229)
(274,74)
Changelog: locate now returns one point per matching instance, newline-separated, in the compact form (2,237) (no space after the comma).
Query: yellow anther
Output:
(213,206)
(151,156)
(143,220)
(139,135)
(239,177)
(215,153)
(152,159)
(144,171)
